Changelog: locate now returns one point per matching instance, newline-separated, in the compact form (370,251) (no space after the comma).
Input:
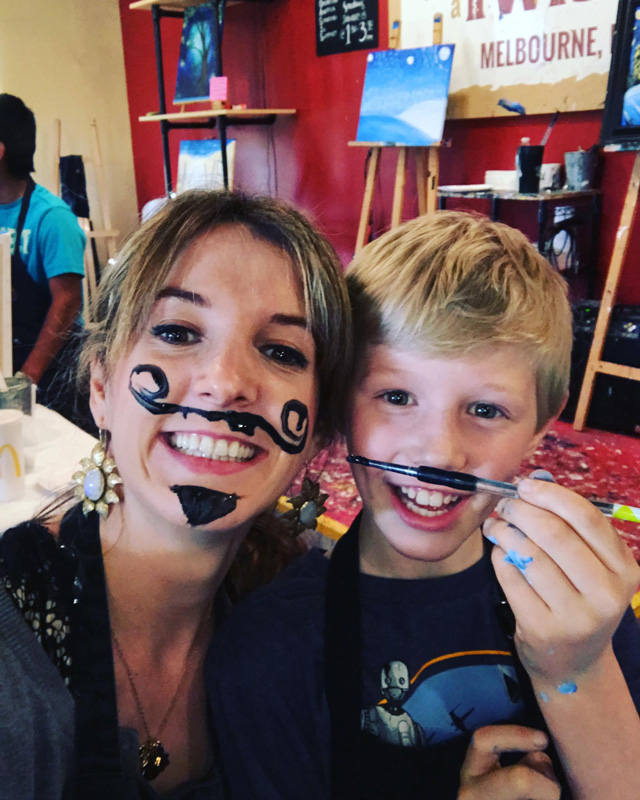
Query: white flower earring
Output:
(96,480)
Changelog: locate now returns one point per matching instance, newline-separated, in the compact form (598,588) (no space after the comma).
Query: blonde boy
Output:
(464,336)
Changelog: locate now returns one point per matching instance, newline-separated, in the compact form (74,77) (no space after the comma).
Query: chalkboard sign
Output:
(343,25)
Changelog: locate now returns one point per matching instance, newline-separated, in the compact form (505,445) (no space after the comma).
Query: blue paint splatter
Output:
(544,697)
(492,539)
(568,688)
(517,560)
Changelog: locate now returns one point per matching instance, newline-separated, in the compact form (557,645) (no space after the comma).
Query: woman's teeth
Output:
(193,444)
(427,503)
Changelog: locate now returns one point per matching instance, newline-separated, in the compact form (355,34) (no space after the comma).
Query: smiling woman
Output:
(216,364)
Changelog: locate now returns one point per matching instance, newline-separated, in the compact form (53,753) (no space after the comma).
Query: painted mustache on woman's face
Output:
(201,505)
(293,437)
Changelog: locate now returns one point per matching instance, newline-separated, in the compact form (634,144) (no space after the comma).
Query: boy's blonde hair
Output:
(449,283)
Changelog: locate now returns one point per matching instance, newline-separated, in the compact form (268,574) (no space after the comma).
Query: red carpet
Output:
(598,465)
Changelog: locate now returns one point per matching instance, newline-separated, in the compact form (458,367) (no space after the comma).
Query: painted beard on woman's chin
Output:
(202,506)
(199,504)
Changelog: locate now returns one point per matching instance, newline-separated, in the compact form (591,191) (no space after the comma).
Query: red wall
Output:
(269,56)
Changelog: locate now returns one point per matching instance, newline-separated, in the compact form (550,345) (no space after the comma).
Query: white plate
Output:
(468,187)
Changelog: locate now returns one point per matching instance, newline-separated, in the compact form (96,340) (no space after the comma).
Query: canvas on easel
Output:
(404,100)
(197,59)
(200,164)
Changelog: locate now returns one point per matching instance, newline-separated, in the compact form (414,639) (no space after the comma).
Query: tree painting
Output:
(196,63)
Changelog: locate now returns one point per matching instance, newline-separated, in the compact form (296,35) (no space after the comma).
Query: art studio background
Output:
(77,62)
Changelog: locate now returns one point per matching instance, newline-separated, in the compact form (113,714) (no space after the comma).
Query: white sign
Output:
(545,55)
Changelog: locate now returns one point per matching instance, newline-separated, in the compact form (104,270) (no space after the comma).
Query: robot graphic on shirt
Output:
(390,722)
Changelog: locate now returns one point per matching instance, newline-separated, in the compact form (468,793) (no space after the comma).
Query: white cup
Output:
(11,455)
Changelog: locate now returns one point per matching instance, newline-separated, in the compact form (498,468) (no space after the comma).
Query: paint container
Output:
(11,455)
(19,394)
(528,163)
(581,168)
(502,180)
(550,177)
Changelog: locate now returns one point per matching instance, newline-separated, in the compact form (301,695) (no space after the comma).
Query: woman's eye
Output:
(486,410)
(397,397)
(175,334)
(283,354)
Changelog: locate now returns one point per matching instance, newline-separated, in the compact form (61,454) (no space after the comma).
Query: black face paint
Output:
(201,505)
(294,417)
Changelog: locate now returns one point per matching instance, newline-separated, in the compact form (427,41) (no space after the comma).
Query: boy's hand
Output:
(532,778)
(567,576)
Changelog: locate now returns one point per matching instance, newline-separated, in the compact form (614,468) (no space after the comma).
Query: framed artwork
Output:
(200,164)
(197,59)
(621,119)
(404,99)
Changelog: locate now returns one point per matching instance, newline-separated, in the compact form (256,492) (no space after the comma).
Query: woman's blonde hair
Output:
(131,283)
(450,282)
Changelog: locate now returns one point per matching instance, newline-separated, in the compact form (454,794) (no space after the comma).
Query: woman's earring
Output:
(97,479)
(306,507)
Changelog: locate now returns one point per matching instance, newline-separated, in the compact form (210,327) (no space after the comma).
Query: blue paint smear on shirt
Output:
(568,688)
(517,560)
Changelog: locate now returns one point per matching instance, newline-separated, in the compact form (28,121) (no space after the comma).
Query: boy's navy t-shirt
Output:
(436,666)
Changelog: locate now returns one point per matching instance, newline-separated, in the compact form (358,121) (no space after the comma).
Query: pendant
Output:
(154,759)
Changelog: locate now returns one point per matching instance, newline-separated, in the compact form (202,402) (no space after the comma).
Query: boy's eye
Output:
(486,410)
(175,334)
(396,397)
(283,354)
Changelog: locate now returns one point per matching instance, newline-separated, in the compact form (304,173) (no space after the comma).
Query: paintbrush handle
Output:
(619,511)
(547,134)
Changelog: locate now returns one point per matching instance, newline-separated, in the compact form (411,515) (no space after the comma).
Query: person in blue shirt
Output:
(47,256)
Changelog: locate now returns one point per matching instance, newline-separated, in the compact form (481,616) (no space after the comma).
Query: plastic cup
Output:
(18,395)
(528,163)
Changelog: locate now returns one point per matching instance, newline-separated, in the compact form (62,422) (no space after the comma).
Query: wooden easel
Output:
(6,339)
(595,363)
(427,158)
(427,171)
(108,234)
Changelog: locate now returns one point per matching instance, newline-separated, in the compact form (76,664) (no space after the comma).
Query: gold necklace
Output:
(154,759)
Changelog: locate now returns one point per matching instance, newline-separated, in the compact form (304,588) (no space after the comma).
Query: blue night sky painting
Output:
(196,63)
(405,93)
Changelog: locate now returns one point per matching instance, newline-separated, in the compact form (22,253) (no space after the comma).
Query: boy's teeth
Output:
(207,447)
(425,502)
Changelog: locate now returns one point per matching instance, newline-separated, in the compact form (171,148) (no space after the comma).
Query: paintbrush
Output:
(472,483)
(547,133)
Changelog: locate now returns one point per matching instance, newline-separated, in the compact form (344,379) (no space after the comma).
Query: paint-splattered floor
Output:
(598,465)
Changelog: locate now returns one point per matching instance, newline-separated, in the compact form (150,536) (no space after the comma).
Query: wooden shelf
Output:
(512,194)
(174,5)
(229,113)
(394,144)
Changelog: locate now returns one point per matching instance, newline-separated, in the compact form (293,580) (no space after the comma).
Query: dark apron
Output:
(30,304)
(29,301)
(363,767)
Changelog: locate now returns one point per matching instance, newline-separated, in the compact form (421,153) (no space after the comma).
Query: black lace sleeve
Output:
(40,575)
